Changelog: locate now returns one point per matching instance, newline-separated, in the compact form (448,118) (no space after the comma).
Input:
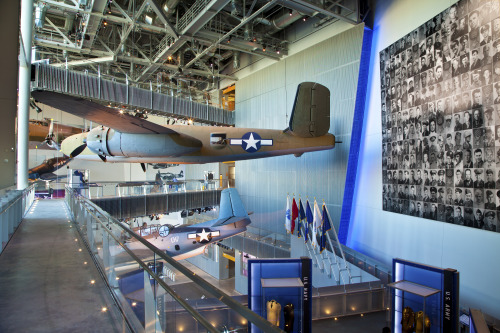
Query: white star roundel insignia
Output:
(204,236)
(251,142)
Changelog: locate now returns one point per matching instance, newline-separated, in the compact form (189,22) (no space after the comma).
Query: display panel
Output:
(424,296)
(286,305)
(440,99)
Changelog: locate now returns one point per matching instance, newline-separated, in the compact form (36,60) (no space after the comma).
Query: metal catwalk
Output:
(48,282)
(73,83)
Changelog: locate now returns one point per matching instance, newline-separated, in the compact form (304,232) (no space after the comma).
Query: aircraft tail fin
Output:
(231,204)
(311,110)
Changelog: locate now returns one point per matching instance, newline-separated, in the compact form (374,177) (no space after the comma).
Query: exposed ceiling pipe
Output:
(236,8)
(40,11)
(170,7)
(300,8)
(262,20)
(283,20)
(236,60)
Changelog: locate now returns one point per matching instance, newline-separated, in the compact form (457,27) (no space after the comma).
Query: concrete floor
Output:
(44,281)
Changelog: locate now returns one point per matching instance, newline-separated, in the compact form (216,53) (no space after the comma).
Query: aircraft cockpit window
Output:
(218,139)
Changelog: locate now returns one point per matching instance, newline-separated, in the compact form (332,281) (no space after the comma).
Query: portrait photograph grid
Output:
(440,107)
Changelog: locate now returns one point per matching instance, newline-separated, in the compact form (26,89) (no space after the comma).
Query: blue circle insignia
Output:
(251,142)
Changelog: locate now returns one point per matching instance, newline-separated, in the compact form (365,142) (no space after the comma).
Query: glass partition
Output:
(155,292)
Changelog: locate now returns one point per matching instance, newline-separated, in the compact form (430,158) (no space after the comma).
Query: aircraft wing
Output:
(51,176)
(98,113)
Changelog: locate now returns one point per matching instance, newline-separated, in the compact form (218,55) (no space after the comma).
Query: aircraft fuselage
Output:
(185,242)
(193,144)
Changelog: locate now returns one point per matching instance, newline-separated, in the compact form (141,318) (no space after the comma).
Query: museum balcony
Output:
(142,288)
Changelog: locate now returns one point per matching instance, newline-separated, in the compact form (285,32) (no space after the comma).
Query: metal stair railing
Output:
(312,253)
(321,263)
(346,267)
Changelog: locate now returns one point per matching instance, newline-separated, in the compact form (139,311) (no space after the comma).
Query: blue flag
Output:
(309,217)
(302,216)
(325,226)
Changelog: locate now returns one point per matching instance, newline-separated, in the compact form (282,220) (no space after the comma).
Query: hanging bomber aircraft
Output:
(124,138)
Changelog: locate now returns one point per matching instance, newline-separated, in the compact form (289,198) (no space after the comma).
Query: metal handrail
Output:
(26,190)
(196,315)
(340,248)
(219,294)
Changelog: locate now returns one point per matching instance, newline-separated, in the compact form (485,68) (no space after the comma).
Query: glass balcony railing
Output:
(14,205)
(154,292)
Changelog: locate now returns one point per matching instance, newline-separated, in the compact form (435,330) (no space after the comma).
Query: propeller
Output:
(78,150)
(50,138)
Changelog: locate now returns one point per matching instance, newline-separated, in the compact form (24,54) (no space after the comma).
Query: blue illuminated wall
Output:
(385,235)
(357,127)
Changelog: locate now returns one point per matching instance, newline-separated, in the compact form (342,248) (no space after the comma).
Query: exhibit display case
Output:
(282,301)
(279,290)
(424,298)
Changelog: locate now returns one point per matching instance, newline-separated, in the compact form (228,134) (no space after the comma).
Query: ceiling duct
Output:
(170,7)
(40,11)
(236,8)
(300,8)
(180,58)
(236,60)
(69,23)
(283,20)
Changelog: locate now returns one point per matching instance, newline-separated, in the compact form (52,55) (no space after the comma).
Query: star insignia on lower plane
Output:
(204,236)
(251,142)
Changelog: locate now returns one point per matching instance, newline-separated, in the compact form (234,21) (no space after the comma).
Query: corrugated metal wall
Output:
(265,100)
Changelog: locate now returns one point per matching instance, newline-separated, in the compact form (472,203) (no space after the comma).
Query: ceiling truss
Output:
(180,44)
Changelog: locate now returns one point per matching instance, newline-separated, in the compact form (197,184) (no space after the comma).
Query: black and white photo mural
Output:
(440,92)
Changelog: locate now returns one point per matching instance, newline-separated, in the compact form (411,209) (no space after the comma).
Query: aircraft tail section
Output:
(311,110)
(230,206)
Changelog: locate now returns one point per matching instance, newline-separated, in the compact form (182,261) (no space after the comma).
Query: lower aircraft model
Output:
(188,241)
(125,138)
(45,171)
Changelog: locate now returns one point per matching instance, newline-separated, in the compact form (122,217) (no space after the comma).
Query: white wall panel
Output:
(263,184)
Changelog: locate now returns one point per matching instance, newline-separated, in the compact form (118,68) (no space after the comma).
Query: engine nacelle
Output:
(108,142)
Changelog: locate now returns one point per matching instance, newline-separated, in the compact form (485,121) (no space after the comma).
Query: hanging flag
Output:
(302,216)
(295,214)
(316,223)
(325,226)
(309,218)
(287,215)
